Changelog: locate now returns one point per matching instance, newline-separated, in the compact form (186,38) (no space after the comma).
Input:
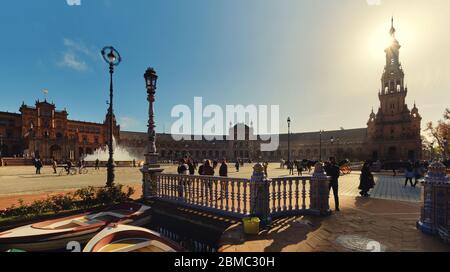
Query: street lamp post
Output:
(151,79)
(320,146)
(113,58)
(289,139)
(151,168)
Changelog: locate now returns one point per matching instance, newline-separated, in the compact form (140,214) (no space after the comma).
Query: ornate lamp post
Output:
(320,145)
(289,139)
(150,80)
(151,167)
(113,58)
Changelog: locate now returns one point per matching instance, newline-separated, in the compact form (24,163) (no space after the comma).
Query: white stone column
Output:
(259,195)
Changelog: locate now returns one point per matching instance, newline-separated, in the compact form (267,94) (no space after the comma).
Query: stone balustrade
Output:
(241,197)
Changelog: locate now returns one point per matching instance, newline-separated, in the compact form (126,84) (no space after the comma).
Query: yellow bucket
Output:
(251,225)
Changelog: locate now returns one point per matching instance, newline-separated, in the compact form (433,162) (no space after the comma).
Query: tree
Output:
(441,133)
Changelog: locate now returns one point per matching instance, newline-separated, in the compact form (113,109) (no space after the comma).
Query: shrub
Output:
(39,207)
(113,195)
(62,202)
(84,198)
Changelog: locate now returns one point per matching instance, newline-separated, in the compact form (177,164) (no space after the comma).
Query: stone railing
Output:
(435,215)
(240,197)
(228,196)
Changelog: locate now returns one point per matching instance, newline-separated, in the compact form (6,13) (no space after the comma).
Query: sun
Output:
(379,38)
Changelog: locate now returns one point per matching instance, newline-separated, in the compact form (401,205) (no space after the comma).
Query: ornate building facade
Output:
(48,133)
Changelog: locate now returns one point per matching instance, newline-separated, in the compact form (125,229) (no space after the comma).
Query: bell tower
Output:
(393,90)
(394,131)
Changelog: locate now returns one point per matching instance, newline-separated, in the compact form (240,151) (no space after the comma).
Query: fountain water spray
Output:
(120,154)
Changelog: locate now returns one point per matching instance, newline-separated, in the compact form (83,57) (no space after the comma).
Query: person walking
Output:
(191,167)
(80,166)
(183,168)
(282,163)
(333,171)
(299,168)
(419,172)
(265,167)
(223,170)
(366,181)
(54,165)
(291,167)
(201,168)
(97,164)
(237,165)
(68,166)
(208,170)
(38,165)
(409,174)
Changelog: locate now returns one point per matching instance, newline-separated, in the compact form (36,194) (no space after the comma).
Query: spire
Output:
(392,31)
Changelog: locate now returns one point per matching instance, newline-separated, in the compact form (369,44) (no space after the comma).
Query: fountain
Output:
(122,156)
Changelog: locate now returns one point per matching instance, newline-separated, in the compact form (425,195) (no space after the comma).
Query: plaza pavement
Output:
(21,183)
(388,218)
(363,225)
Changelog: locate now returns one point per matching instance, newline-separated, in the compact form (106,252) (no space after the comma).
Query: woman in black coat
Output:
(366,180)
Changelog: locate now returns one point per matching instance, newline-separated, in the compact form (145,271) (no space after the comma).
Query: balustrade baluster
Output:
(297,194)
(284,195)
(216,194)
(279,196)
(221,194)
(290,195)
(188,189)
(245,197)
(197,185)
(226,196)
(274,197)
(166,187)
(238,198)
(171,187)
(169,184)
(232,196)
(304,195)
(175,187)
(201,196)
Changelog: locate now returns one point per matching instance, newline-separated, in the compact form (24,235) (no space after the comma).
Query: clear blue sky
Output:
(320,60)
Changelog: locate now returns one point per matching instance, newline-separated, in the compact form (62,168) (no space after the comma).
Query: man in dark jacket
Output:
(334,171)
(223,171)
